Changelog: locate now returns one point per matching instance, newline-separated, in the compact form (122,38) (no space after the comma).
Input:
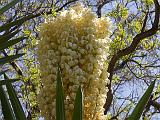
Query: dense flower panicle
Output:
(79,43)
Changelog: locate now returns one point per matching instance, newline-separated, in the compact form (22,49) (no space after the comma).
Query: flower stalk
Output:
(78,42)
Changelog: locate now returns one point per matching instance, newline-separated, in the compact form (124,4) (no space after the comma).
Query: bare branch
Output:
(144,23)
(101,3)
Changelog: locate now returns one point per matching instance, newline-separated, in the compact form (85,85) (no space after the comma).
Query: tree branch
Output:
(129,50)
(101,3)
(155,104)
(144,22)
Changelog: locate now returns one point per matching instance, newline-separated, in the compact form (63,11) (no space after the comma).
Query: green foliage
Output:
(31,78)
(148,2)
(116,79)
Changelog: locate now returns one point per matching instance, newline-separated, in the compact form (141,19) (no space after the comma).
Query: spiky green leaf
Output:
(6,37)
(78,105)
(136,114)
(9,58)
(4,82)
(17,107)
(8,6)
(60,110)
(6,106)
(18,22)
(10,43)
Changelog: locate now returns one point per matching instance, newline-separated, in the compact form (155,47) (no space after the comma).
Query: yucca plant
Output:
(77,42)
(11,106)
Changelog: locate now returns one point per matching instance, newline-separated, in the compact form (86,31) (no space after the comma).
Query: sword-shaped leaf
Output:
(4,38)
(4,82)
(10,43)
(14,23)
(78,105)
(60,110)
(9,58)
(18,110)
(8,6)
(6,106)
(136,114)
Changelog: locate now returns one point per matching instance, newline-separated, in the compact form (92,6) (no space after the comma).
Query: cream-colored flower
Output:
(78,42)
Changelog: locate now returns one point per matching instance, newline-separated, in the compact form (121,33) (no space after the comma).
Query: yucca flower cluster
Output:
(78,41)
